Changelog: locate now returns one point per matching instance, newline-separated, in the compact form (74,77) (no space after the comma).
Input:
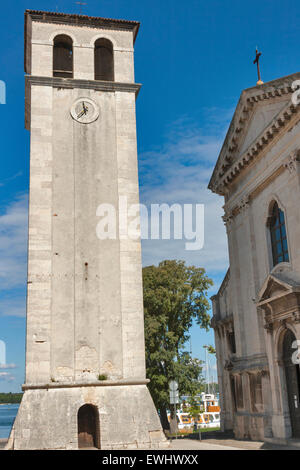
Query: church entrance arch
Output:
(292,376)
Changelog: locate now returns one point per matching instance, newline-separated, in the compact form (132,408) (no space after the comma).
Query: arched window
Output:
(104,60)
(278,235)
(292,376)
(63,56)
(239,392)
(231,341)
(256,395)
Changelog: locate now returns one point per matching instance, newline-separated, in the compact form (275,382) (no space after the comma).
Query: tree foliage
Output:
(211,349)
(175,296)
(11,397)
(195,408)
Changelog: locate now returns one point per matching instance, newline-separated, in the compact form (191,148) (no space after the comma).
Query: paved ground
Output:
(184,444)
(191,444)
(213,444)
(224,444)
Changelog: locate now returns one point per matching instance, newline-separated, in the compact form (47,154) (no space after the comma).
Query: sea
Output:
(7,417)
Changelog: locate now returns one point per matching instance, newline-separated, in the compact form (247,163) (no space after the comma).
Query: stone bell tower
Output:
(85,356)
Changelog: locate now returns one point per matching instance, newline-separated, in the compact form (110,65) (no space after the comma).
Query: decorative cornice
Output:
(257,362)
(258,145)
(227,219)
(232,166)
(292,161)
(70,83)
(226,322)
(81,20)
(240,207)
(291,164)
(275,319)
(258,184)
(270,300)
(104,383)
(98,85)
(244,203)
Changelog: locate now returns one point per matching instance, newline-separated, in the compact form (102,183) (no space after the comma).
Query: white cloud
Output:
(13,244)
(14,303)
(7,366)
(13,257)
(11,178)
(6,376)
(179,172)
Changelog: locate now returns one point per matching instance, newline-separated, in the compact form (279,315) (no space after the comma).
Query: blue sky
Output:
(193,59)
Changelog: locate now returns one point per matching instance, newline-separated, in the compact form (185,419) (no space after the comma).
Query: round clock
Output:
(85,111)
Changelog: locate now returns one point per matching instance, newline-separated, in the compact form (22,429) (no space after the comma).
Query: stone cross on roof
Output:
(256,61)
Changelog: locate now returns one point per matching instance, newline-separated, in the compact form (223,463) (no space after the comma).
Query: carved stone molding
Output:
(226,322)
(228,219)
(283,323)
(292,162)
(252,364)
(296,317)
(244,203)
(241,207)
(245,159)
(265,373)
(228,365)
(268,327)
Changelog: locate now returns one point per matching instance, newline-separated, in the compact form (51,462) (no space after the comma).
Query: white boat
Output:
(209,416)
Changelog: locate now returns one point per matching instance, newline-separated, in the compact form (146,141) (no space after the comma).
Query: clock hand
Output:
(81,114)
(85,108)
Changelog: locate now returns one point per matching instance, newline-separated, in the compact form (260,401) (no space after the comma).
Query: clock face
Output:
(85,111)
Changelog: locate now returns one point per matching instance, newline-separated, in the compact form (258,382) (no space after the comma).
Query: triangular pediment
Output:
(276,285)
(262,113)
(262,116)
(273,289)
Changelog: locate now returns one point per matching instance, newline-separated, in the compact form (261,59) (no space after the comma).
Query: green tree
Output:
(211,349)
(194,409)
(10,397)
(175,295)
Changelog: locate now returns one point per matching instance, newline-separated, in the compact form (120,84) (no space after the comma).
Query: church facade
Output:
(256,313)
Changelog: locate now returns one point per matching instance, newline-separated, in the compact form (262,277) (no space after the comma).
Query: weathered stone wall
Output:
(89,319)
(47,419)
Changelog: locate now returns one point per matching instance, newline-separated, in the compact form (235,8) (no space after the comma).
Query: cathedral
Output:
(256,313)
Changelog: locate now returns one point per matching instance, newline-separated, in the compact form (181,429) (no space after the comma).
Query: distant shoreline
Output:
(10,398)
(3,404)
